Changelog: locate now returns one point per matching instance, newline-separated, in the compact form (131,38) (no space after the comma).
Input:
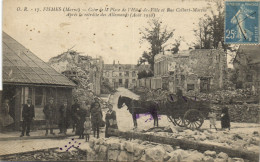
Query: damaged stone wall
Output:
(188,68)
(87,73)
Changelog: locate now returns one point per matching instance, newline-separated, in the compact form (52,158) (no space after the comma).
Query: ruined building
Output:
(85,71)
(199,70)
(247,65)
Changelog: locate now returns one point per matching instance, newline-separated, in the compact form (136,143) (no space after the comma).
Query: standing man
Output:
(96,118)
(64,118)
(49,112)
(74,109)
(27,115)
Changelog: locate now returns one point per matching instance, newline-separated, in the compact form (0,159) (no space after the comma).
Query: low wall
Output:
(187,144)
(118,149)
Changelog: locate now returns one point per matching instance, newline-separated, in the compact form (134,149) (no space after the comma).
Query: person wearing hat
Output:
(96,118)
(27,114)
(49,112)
(95,101)
(74,109)
(64,117)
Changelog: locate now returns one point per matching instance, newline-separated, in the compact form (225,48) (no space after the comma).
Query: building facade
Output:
(26,76)
(199,70)
(122,75)
(247,65)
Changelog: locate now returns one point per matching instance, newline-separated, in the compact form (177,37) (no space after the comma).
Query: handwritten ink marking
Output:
(146,114)
(71,145)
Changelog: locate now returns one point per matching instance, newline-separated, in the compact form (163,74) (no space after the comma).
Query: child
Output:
(212,118)
(87,128)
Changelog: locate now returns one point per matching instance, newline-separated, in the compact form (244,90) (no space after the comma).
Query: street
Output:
(247,133)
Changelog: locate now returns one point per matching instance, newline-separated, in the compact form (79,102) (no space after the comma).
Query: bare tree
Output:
(156,35)
(204,33)
(210,29)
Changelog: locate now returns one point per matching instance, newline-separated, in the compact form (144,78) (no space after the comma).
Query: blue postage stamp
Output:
(242,22)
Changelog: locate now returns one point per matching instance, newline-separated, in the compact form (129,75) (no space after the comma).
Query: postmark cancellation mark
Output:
(242,22)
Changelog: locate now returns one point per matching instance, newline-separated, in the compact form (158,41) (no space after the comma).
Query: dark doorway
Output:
(204,84)
(9,94)
(120,83)
(126,83)
(115,85)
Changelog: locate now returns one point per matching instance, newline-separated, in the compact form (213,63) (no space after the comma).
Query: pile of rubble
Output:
(116,149)
(84,71)
(151,94)
(224,96)
(249,113)
(242,105)
(238,96)
(241,141)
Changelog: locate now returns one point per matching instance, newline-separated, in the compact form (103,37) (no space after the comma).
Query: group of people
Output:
(83,116)
(224,117)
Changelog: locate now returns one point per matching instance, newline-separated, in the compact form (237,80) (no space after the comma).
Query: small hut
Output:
(27,76)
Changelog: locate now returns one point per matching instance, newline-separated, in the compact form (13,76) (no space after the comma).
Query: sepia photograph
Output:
(130,80)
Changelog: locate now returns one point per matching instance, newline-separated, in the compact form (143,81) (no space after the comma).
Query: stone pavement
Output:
(11,143)
(39,134)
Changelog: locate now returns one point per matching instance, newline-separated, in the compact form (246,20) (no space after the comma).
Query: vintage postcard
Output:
(130,80)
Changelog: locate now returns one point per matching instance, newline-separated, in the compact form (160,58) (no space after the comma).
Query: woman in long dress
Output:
(5,118)
(225,119)
(110,120)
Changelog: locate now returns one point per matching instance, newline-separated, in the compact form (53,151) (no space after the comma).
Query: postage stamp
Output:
(242,22)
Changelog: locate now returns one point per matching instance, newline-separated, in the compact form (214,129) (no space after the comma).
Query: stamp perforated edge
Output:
(238,43)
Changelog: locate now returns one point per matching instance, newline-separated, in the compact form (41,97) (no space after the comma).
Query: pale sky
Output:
(48,34)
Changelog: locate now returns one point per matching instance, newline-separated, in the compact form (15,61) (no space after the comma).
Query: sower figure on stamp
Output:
(240,19)
(74,108)
(27,114)
(49,112)
(64,118)
(96,118)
